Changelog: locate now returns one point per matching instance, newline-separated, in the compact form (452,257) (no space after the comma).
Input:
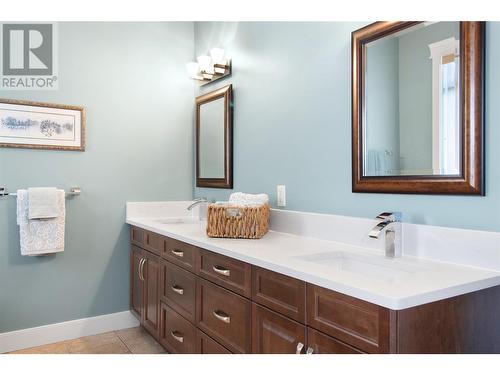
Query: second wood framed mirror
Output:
(417,108)
(214,139)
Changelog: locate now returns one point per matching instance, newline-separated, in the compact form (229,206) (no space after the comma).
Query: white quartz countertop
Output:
(392,283)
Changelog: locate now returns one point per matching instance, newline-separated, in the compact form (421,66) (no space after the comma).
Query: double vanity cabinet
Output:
(196,301)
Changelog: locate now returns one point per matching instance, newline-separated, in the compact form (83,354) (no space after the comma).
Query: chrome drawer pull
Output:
(222,271)
(141,269)
(178,253)
(222,316)
(177,289)
(176,336)
(300,346)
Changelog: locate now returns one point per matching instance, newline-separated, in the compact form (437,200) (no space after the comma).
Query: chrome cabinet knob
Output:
(176,336)
(177,289)
(300,347)
(177,253)
(222,316)
(222,271)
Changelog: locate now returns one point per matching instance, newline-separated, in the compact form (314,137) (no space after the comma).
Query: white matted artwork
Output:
(27,124)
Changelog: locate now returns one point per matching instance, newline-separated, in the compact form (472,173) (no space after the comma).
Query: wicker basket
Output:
(228,221)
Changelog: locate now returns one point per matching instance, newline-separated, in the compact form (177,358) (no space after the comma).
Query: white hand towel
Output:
(39,237)
(242,199)
(42,203)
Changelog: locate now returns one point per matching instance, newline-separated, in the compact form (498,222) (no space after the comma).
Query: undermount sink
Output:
(177,220)
(374,266)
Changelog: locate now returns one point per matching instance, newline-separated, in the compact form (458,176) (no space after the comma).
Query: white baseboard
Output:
(72,329)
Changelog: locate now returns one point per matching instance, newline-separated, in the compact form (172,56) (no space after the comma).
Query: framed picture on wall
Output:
(26,124)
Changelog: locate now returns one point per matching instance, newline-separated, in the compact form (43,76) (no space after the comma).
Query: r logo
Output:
(27,49)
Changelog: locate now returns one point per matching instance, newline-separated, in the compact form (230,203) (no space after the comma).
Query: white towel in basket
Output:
(42,236)
(242,199)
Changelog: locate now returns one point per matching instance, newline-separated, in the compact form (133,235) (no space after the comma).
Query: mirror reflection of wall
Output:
(211,146)
(214,139)
(411,97)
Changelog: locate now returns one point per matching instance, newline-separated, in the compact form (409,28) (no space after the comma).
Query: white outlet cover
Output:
(281,195)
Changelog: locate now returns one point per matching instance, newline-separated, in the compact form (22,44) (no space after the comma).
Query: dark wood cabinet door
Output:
(356,322)
(224,315)
(207,345)
(136,285)
(177,335)
(151,308)
(228,272)
(280,293)
(467,324)
(274,333)
(178,289)
(319,343)
(180,253)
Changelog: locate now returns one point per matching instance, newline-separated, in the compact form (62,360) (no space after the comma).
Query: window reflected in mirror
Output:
(412,102)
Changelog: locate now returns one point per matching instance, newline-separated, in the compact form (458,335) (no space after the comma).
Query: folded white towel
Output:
(39,237)
(242,199)
(42,203)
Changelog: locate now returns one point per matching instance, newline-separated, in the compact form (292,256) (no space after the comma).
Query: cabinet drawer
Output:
(274,333)
(224,315)
(152,242)
(177,335)
(179,253)
(361,324)
(136,236)
(280,293)
(178,289)
(323,344)
(228,272)
(207,345)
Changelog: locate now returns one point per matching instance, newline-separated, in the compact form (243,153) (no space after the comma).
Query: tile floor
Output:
(127,341)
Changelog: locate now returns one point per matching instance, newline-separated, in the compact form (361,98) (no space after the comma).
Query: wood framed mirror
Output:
(418,108)
(214,139)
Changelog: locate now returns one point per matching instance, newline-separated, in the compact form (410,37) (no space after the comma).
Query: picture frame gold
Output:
(39,125)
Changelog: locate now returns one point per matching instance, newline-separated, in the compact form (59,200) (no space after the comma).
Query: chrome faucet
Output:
(196,202)
(391,222)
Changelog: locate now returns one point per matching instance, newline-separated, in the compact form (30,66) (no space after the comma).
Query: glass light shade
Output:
(220,70)
(217,55)
(193,69)
(205,62)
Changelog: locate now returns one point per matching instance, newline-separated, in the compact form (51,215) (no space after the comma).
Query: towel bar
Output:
(74,191)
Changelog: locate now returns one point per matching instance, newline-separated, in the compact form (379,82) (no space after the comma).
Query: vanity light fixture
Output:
(209,68)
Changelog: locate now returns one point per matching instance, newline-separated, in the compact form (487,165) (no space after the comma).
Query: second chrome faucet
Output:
(391,223)
(202,211)
(196,202)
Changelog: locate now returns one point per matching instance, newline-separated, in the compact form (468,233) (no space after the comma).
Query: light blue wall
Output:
(292,123)
(130,77)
